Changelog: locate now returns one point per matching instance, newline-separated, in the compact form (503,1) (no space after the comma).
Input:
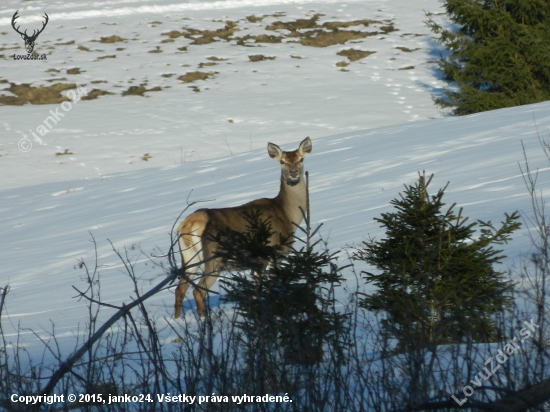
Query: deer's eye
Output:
(302,160)
(282,162)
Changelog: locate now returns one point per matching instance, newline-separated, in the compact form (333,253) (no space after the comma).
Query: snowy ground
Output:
(302,92)
(210,144)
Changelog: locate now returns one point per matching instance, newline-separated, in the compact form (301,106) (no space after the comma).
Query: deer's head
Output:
(29,40)
(292,163)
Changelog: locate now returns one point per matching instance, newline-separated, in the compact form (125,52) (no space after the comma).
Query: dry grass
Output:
(95,93)
(111,39)
(83,48)
(254,19)
(407,68)
(342,64)
(75,70)
(215,59)
(321,38)
(66,152)
(406,49)
(157,50)
(205,36)
(112,56)
(260,57)
(354,55)
(36,95)
(194,76)
(139,91)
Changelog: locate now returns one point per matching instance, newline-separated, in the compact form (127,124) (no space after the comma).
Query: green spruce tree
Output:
(499,54)
(435,281)
(287,308)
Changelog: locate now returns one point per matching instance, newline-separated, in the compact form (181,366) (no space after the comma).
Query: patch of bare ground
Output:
(83,48)
(215,59)
(320,38)
(254,19)
(405,49)
(354,55)
(342,64)
(112,56)
(36,95)
(98,81)
(74,70)
(311,33)
(65,44)
(407,68)
(205,36)
(207,64)
(95,93)
(157,50)
(139,91)
(111,39)
(260,57)
(194,76)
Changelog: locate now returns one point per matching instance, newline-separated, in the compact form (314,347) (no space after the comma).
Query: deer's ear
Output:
(305,147)
(274,151)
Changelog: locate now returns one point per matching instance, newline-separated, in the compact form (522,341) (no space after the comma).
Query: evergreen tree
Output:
(288,306)
(500,54)
(436,281)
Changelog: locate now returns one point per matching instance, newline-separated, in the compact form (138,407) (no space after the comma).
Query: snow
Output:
(373,129)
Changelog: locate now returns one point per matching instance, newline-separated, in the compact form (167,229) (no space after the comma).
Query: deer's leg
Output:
(190,254)
(210,276)
(182,287)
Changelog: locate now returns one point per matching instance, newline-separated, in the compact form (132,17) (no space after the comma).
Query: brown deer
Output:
(197,230)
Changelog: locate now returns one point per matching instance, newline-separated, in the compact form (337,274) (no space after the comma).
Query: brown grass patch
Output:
(333,25)
(407,68)
(207,64)
(194,76)
(36,95)
(254,19)
(66,152)
(260,57)
(295,25)
(388,29)
(111,39)
(215,59)
(83,48)
(98,81)
(320,38)
(406,49)
(205,36)
(112,56)
(74,70)
(52,71)
(266,38)
(342,64)
(146,157)
(95,93)
(65,44)
(354,55)
(167,41)
(139,91)
(157,50)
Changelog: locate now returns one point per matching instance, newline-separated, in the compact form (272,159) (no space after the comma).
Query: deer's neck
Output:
(292,198)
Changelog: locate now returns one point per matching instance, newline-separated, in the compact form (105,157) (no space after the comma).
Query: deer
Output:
(197,231)
(29,40)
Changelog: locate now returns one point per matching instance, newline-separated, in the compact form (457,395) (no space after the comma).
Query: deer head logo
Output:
(29,40)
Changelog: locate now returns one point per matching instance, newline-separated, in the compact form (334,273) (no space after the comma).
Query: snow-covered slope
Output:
(46,228)
(296,91)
